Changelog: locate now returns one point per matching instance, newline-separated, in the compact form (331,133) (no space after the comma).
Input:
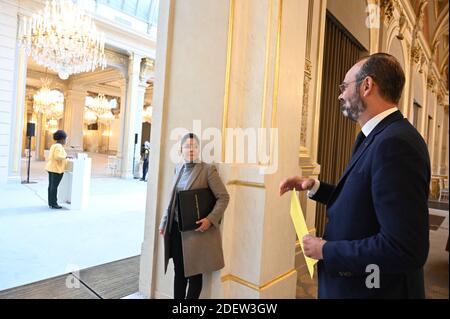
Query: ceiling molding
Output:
(94,78)
(106,89)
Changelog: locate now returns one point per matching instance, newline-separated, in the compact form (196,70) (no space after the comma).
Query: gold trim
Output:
(277,67)
(266,66)
(276,81)
(318,82)
(244,183)
(307,167)
(253,286)
(226,97)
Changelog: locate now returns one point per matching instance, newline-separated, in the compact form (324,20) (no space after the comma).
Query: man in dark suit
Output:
(376,240)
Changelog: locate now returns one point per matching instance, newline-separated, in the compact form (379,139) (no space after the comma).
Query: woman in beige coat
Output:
(198,251)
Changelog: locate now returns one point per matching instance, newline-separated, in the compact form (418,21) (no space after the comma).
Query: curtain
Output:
(336,133)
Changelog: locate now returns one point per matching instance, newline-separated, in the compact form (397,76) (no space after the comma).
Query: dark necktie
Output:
(361,137)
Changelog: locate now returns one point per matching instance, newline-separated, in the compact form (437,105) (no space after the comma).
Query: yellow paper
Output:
(300,228)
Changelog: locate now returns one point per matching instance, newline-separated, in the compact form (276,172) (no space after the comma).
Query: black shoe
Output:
(56,207)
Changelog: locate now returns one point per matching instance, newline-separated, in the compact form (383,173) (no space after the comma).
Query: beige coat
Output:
(202,251)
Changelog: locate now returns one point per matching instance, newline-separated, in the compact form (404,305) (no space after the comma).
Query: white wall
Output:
(397,51)
(352,15)
(8,30)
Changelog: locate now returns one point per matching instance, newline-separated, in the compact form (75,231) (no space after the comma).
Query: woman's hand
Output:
(205,224)
(161,232)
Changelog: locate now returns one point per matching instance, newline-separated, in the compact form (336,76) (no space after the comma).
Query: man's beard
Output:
(353,108)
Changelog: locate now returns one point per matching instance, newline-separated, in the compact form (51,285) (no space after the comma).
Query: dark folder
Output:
(193,205)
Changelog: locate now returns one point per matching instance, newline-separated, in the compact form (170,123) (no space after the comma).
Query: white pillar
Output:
(447,142)
(444,142)
(74,117)
(251,77)
(40,137)
(142,87)
(129,114)
(8,43)
(439,138)
(146,70)
(433,136)
(18,117)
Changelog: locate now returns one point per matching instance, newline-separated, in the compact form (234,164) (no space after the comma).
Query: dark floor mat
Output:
(438,205)
(435,221)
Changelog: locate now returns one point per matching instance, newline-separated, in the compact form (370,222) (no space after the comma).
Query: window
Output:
(143,9)
(146,10)
(129,7)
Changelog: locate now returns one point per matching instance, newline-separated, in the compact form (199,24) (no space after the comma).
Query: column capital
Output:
(147,69)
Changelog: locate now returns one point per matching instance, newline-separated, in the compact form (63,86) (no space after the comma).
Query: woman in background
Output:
(55,167)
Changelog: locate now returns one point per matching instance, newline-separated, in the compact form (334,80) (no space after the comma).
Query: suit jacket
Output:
(202,251)
(378,214)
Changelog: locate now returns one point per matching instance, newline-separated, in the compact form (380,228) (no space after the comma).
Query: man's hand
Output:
(297,182)
(312,247)
(205,224)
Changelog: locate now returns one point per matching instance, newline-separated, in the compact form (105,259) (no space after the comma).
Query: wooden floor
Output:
(109,281)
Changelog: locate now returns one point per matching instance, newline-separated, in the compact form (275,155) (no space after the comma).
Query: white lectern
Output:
(75,184)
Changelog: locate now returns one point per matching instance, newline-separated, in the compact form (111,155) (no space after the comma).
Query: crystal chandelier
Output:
(106,117)
(52,125)
(48,102)
(89,116)
(63,38)
(99,105)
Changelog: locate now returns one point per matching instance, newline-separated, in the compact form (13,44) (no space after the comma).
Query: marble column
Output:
(40,137)
(146,71)
(142,87)
(252,77)
(18,117)
(74,117)
(447,137)
(122,117)
(432,109)
(309,136)
(443,162)
(432,140)
(129,115)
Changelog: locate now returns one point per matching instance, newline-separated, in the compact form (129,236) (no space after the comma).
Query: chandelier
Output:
(52,125)
(89,116)
(99,105)
(63,38)
(48,102)
(106,117)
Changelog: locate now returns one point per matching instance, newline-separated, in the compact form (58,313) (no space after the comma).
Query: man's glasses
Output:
(344,85)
